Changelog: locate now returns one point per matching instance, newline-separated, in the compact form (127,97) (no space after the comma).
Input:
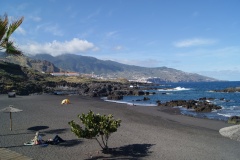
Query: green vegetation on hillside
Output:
(25,80)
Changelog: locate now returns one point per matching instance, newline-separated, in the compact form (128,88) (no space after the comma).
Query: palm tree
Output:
(6,31)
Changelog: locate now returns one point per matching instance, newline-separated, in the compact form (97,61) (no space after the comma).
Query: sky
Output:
(195,36)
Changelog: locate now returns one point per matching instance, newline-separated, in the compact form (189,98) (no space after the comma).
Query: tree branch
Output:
(99,143)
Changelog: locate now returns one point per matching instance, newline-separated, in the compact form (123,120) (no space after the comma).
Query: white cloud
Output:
(36,18)
(20,30)
(57,48)
(51,28)
(95,49)
(22,6)
(111,34)
(118,48)
(194,42)
(54,29)
(94,14)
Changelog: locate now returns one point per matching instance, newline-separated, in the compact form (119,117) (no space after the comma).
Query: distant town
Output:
(103,77)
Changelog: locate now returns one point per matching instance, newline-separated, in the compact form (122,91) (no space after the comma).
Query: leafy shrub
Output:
(96,125)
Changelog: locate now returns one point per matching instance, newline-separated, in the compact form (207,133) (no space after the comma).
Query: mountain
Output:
(111,69)
(82,64)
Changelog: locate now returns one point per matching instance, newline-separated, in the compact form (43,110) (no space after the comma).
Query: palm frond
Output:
(11,49)
(6,31)
(13,26)
(3,27)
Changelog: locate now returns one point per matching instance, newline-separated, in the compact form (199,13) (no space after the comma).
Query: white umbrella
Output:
(232,132)
(10,110)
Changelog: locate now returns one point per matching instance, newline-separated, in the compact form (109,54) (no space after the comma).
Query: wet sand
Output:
(145,132)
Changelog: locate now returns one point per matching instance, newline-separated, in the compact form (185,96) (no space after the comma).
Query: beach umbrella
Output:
(232,132)
(10,110)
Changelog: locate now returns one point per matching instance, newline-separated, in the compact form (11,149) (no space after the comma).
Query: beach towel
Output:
(31,143)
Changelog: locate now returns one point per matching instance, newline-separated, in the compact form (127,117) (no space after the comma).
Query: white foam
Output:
(224,115)
(104,98)
(175,89)
(210,91)
(131,104)
(147,104)
(236,107)
(114,101)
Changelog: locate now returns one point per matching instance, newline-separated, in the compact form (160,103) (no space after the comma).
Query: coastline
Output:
(145,132)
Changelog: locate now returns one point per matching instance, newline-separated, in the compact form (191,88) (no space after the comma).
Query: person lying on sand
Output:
(37,140)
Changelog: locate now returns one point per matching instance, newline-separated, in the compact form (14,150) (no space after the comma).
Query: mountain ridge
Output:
(104,68)
(112,69)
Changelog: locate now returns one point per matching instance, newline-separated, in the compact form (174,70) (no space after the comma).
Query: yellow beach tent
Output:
(65,101)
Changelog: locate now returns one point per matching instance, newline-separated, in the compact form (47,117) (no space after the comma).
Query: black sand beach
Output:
(145,132)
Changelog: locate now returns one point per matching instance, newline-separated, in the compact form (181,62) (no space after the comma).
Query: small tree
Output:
(95,126)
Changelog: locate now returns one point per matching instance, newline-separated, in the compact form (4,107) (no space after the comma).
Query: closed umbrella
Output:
(10,110)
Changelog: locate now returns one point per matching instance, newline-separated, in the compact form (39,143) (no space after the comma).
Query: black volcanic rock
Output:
(234,120)
(198,106)
(229,90)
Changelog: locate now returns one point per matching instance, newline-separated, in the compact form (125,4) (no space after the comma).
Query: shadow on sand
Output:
(67,143)
(70,143)
(56,131)
(132,152)
(37,128)
(44,131)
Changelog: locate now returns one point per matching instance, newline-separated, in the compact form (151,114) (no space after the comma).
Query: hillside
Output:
(111,69)
(42,66)
(21,79)
(24,81)
(103,68)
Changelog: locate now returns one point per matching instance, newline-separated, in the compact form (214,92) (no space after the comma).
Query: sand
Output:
(145,132)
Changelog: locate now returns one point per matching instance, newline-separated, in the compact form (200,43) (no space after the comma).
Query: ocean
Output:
(230,102)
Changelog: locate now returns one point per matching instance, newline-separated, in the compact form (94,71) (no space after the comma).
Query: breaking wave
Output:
(175,89)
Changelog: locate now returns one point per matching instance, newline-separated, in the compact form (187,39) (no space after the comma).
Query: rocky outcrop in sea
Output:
(201,105)
(228,90)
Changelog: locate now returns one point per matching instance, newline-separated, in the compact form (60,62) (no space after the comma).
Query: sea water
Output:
(230,102)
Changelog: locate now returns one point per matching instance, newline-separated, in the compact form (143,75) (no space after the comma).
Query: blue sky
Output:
(197,36)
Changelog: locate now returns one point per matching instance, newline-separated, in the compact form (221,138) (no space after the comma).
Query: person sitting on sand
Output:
(37,139)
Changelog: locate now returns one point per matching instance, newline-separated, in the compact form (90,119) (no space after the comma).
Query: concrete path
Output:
(6,154)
